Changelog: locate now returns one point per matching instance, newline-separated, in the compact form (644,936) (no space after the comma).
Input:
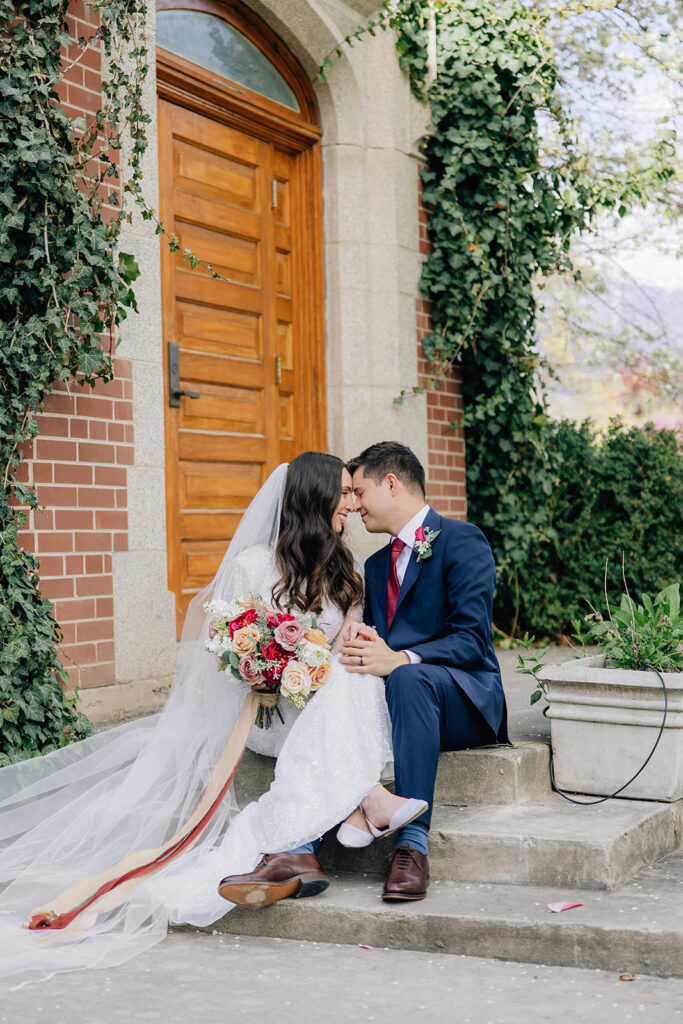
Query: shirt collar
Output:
(407,533)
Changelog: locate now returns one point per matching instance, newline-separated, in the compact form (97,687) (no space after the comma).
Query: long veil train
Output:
(75,812)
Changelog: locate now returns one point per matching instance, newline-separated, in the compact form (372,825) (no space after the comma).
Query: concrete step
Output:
(493,775)
(487,775)
(638,929)
(547,843)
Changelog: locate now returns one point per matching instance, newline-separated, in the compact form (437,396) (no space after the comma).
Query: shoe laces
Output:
(403,858)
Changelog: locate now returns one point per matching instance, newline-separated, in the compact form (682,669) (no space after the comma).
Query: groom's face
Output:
(373,501)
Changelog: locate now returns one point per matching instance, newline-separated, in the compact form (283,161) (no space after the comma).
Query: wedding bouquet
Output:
(269,650)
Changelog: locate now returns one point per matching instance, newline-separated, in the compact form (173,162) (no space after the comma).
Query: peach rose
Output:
(244,640)
(320,675)
(295,679)
(316,636)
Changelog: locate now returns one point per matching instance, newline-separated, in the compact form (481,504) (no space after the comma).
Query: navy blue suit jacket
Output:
(444,611)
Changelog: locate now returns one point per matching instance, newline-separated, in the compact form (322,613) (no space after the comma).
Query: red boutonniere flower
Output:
(423,542)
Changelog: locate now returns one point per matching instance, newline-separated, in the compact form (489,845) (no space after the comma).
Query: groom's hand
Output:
(368,653)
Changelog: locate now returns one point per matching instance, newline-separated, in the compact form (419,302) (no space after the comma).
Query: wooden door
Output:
(245,343)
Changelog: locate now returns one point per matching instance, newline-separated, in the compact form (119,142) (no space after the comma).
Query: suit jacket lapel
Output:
(414,568)
(379,582)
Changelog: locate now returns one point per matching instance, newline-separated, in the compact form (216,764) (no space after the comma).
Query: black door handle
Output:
(174,389)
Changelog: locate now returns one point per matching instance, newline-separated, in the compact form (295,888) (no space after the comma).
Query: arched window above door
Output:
(214,44)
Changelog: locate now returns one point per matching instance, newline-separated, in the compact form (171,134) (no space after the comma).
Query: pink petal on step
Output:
(557,908)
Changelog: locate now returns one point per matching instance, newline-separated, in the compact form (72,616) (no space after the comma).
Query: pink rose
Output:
(212,631)
(420,534)
(288,634)
(248,670)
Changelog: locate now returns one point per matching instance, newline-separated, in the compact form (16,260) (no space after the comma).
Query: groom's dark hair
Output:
(390,457)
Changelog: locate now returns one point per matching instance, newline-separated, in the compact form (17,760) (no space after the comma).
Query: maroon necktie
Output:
(393,586)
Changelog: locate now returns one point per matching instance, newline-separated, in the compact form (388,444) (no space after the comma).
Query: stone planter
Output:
(604,722)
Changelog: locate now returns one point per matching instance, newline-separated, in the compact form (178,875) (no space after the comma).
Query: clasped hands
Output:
(364,651)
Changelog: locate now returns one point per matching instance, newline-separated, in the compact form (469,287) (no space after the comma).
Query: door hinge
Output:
(278,369)
(273,194)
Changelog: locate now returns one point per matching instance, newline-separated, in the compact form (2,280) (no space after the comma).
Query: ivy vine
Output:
(503,202)
(63,291)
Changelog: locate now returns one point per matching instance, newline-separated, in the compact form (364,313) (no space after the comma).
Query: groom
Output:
(428,602)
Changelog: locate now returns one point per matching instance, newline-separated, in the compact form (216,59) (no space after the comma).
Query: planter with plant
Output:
(609,712)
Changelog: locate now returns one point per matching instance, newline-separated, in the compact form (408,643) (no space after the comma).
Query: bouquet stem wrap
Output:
(77,908)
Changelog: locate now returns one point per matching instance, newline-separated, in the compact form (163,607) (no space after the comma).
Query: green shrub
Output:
(619,495)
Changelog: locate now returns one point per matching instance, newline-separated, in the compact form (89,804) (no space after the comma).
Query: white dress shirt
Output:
(407,535)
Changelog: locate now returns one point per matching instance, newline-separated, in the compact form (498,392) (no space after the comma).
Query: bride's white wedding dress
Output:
(77,811)
(328,757)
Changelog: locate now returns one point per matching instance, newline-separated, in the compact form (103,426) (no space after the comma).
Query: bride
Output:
(78,810)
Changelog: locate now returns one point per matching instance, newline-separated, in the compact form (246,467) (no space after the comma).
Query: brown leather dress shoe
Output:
(408,875)
(275,877)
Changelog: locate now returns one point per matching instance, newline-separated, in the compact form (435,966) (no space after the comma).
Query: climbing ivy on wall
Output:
(506,189)
(63,290)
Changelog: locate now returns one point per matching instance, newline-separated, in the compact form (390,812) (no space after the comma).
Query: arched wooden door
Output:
(240,186)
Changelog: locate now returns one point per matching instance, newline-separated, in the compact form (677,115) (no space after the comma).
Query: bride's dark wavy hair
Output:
(314,560)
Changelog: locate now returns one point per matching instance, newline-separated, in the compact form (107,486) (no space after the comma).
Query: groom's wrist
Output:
(402,658)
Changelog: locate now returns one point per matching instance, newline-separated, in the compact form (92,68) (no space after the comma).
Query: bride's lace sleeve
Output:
(252,572)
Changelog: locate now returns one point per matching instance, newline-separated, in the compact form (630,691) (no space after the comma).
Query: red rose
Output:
(245,619)
(274,653)
(285,617)
(420,534)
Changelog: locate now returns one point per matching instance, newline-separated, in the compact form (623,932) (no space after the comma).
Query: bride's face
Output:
(345,506)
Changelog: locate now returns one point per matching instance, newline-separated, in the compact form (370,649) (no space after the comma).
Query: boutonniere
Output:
(423,542)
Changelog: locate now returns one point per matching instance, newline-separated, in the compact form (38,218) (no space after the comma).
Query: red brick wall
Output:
(79,464)
(79,460)
(446,448)
(80,89)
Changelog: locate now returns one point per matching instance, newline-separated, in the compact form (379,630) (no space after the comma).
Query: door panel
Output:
(233,200)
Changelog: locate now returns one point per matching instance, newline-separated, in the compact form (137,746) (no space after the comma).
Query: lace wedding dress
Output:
(73,813)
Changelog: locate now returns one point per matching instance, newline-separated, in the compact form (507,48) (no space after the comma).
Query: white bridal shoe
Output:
(355,838)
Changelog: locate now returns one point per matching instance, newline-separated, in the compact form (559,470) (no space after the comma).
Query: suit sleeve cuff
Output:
(415,659)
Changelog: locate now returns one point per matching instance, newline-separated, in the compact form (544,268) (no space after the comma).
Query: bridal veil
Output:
(78,810)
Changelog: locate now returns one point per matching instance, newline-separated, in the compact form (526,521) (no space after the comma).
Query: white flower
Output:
(311,654)
(218,644)
(296,679)
(228,610)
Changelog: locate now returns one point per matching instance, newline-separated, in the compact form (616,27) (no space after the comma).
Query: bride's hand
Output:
(358,629)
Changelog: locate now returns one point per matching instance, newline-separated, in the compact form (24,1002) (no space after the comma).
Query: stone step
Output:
(547,843)
(493,775)
(487,775)
(637,929)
